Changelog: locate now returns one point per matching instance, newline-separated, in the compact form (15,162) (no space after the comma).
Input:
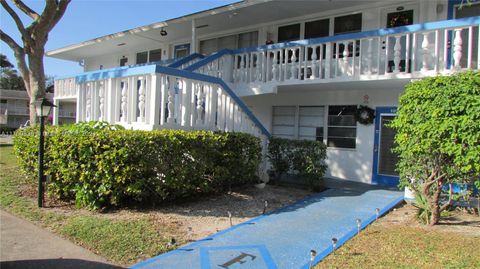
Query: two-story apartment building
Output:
(15,111)
(293,69)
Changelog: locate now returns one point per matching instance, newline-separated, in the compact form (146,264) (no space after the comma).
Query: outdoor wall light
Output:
(42,109)
(163,32)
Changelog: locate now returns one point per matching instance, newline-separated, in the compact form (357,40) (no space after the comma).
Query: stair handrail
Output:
(185,60)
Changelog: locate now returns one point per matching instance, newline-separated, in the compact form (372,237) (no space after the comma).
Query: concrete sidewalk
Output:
(284,238)
(24,245)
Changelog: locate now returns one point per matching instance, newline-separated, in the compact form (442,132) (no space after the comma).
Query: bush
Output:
(99,165)
(304,157)
(438,136)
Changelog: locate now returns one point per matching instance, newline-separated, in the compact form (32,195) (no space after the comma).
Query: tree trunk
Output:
(435,203)
(37,81)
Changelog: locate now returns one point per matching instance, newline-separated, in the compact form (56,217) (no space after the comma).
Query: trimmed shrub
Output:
(101,167)
(303,157)
(438,136)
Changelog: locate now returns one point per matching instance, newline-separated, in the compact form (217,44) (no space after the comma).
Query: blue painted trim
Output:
(115,73)
(342,240)
(185,60)
(376,178)
(212,57)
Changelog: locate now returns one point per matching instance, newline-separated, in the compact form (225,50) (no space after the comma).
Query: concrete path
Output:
(24,245)
(284,238)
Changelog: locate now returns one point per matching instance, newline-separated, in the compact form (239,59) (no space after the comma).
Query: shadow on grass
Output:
(55,264)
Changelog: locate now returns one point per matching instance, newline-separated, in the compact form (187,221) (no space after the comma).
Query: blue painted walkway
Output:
(284,238)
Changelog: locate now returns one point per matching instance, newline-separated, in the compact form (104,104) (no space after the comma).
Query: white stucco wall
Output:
(350,164)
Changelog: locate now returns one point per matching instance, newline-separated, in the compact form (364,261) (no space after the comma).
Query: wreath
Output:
(365,115)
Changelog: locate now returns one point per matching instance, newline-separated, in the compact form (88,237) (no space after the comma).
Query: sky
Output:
(88,19)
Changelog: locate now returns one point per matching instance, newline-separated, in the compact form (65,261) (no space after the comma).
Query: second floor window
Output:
(149,56)
(236,41)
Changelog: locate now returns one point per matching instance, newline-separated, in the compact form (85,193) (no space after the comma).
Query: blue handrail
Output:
(185,60)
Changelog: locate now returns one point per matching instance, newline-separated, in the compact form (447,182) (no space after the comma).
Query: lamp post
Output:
(42,109)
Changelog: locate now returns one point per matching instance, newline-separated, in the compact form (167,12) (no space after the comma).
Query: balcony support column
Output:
(193,45)
(56,110)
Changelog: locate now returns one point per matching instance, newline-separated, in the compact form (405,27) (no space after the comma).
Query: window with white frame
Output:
(298,122)
(342,127)
(236,41)
(149,56)
(309,122)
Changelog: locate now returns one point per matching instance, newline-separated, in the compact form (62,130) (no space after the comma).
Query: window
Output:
(310,123)
(348,24)
(289,32)
(149,56)
(284,121)
(142,57)
(342,127)
(123,61)
(318,28)
(155,55)
(236,41)
(304,122)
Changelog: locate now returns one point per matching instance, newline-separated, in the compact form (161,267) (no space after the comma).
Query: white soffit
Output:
(236,15)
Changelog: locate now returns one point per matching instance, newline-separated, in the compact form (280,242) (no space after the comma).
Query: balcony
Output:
(407,52)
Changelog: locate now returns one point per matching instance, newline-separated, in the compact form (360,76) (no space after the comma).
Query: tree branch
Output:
(20,57)
(9,41)
(14,16)
(30,12)
(61,8)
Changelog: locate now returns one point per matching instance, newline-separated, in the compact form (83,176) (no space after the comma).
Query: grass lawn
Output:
(123,241)
(400,246)
(127,240)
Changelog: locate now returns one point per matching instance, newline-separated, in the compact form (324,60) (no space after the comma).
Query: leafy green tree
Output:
(9,78)
(438,136)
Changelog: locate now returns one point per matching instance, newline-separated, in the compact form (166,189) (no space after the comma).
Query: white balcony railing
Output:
(155,97)
(404,52)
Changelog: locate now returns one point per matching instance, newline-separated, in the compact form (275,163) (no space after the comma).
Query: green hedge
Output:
(102,166)
(303,157)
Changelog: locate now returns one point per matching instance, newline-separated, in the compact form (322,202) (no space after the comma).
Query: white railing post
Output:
(457,49)
(274,66)
(124,101)
(200,109)
(396,54)
(314,62)
(141,100)
(155,99)
(293,67)
(171,100)
(101,106)
(345,58)
(88,102)
(425,52)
